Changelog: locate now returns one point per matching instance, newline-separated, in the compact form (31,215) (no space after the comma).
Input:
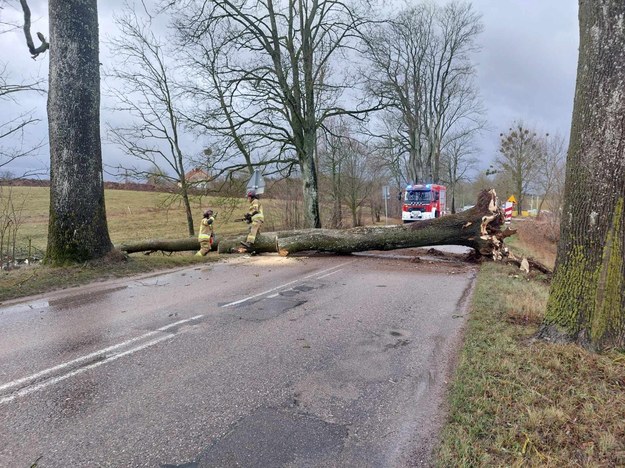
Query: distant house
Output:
(198,178)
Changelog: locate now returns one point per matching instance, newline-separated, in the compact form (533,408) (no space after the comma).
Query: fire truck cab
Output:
(423,201)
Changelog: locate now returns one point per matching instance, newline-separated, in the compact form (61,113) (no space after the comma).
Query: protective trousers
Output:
(254,230)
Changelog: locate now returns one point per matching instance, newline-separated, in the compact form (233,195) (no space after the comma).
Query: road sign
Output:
(512,199)
(256,183)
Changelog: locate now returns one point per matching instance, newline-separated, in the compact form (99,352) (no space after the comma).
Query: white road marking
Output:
(25,391)
(328,274)
(87,357)
(240,301)
(32,388)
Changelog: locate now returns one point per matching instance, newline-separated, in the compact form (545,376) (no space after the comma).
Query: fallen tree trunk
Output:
(164,245)
(477,228)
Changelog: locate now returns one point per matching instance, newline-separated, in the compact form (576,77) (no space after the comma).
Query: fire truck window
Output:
(418,196)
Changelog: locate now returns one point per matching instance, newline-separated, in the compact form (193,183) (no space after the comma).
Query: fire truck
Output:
(423,201)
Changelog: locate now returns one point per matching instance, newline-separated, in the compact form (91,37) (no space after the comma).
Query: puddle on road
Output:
(83,299)
(63,302)
(273,437)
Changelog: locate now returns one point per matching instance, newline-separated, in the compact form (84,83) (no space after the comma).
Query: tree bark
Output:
(77,228)
(477,228)
(164,245)
(587,298)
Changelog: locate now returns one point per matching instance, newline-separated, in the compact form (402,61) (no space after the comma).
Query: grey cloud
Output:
(525,70)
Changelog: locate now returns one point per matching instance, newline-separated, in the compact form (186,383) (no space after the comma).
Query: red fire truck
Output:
(423,201)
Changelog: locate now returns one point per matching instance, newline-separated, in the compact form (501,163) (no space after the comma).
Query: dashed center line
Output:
(318,274)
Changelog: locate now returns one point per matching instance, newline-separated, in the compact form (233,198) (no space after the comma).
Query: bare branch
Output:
(35,51)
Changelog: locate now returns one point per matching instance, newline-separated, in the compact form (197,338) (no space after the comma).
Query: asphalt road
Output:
(256,361)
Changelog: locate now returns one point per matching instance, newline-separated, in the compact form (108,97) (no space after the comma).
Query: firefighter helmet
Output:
(208,213)
(251,193)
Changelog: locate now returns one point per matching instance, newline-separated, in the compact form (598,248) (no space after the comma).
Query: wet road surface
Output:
(261,361)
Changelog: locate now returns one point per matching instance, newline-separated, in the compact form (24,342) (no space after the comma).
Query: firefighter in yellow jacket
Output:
(206,234)
(254,216)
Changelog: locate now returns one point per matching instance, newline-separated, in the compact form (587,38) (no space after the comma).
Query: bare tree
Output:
(11,220)
(550,178)
(146,90)
(77,229)
(521,156)
(458,160)
(358,178)
(214,111)
(331,159)
(281,84)
(421,67)
(12,128)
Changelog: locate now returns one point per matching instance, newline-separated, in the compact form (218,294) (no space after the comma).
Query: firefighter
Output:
(254,216)
(206,235)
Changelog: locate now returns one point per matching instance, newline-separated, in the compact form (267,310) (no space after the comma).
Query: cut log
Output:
(477,228)
(165,245)
(265,242)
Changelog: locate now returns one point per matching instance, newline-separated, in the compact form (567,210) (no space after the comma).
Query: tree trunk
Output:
(77,229)
(312,216)
(587,298)
(187,205)
(477,228)
(165,245)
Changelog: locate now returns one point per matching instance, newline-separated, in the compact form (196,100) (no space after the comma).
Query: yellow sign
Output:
(512,199)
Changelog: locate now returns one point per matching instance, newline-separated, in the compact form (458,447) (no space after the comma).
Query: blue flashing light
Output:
(428,186)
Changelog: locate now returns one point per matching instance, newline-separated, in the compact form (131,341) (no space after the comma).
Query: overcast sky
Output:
(525,71)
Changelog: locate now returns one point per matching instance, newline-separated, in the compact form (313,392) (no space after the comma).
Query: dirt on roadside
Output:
(539,236)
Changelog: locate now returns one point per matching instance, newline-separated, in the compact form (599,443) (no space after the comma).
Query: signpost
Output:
(508,209)
(386,194)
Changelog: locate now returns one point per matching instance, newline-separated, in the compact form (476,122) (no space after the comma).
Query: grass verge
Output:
(40,278)
(516,401)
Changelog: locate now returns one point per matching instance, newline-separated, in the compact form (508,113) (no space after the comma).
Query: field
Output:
(134,216)
(131,216)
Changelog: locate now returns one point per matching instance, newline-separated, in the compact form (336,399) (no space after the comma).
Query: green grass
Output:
(132,216)
(517,401)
